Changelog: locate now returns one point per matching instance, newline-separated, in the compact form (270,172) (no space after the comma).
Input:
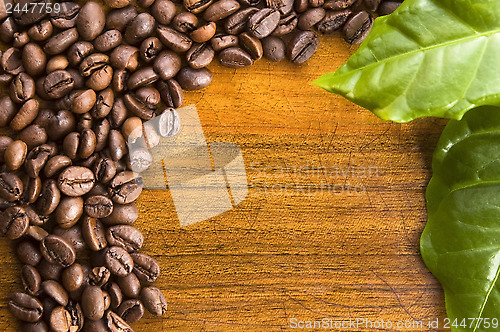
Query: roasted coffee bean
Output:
(388,7)
(32,15)
(194,79)
(58,83)
(173,39)
(286,25)
(222,41)
(338,4)
(123,214)
(142,77)
(7,30)
(28,253)
(148,95)
(204,33)
(7,110)
(73,277)
(36,159)
(115,294)
(76,314)
(274,48)
(76,181)
(310,18)
(357,27)
(93,303)
(234,57)
(95,325)
(20,39)
(116,145)
(154,301)
(137,107)
(145,3)
(101,130)
(49,271)
(199,55)
(65,18)
(145,267)
(163,11)
(94,234)
(61,42)
(125,57)
(33,59)
(104,170)
(132,128)
(238,22)
(30,279)
(371,5)
(49,198)
(333,21)
(119,18)
(93,63)
(73,236)
(120,78)
(41,31)
(4,13)
(39,326)
(98,206)
(118,261)
(22,88)
(14,222)
(302,46)
(108,40)
(139,29)
(104,104)
(79,51)
(69,211)
(60,320)
(220,10)
(15,155)
(126,236)
(117,3)
(130,286)
(167,64)
(131,311)
(262,23)
(116,324)
(100,79)
(83,101)
(90,21)
(33,135)
(5,141)
(99,276)
(185,22)
(56,164)
(56,291)
(56,250)
(125,187)
(36,232)
(150,48)
(80,146)
(25,307)
(59,62)
(61,124)
(171,93)
(197,6)
(252,45)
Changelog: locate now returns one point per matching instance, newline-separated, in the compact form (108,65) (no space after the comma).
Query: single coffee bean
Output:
(59,62)
(36,232)
(126,236)
(104,170)
(76,181)
(132,128)
(234,57)
(25,307)
(115,294)
(79,51)
(204,33)
(41,31)
(220,10)
(125,57)
(73,277)
(139,108)
(33,135)
(302,46)
(33,59)
(274,48)
(149,96)
(238,22)
(150,48)
(83,101)
(36,159)
(119,18)
(338,4)
(60,320)
(123,214)
(69,211)
(262,23)
(171,93)
(94,233)
(252,45)
(358,27)
(30,279)
(98,206)
(185,22)
(28,253)
(139,29)
(197,6)
(120,78)
(167,64)
(131,311)
(7,110)
(20,39)
(58,83)
(61,42)
(116,144)
(194,79)
(65,18)
(163,11)
(286,25)
(116,324)
(56,250)
(15,155)
(49,271)
(5,141)
(222,41)
(145,267)
(142,77)
(49,198)
(99,276)
(104,104)
(108,40)
(22,88)
(118,261)
(73,236)
(173,39)
(56,291)
(34,218)
(130,285)
(14,222)
(56,164)
(7,30)
(125,187)
(199,55)
(154,301)
(90,21)
(310,18)
(388,7)
(76,314)
(93,303)
(61,124)
(11,187)
(333,21)
(100,78)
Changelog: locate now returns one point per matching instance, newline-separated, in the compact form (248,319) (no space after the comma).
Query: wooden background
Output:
(293,253)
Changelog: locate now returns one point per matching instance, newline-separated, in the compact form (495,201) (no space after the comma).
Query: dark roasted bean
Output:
(56,250)
(145,267)
(302,47)
(185,22)
(30,279)
(262,23)
(131,311)
(90,21)
(333,21)
(119,18)
(238,22)
(118,261)
(274,48)
(154,301)
(25,307)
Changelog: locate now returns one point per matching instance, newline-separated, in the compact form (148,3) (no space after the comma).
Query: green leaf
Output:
(429,58)
(461,241)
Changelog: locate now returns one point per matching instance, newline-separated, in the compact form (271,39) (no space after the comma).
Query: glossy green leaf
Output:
(461,241)
(429,58)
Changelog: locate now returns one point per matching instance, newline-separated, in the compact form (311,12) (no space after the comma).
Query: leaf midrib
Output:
(483,305)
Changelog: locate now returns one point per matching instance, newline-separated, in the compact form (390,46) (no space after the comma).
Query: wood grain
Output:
(295,247)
